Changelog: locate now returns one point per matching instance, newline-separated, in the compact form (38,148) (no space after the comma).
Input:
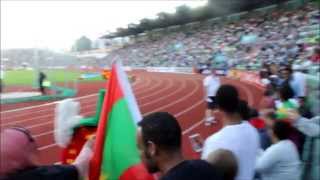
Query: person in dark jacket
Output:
(42,78)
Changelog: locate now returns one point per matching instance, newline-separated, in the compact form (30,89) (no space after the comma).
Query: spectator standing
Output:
(237,135)
(211,84)
(42,78)
(296,80)
(281,160)
(159,142)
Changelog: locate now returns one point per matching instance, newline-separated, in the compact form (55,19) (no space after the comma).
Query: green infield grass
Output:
(28,77)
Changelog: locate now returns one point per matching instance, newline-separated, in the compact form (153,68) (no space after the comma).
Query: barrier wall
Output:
(187,70)
(60,93)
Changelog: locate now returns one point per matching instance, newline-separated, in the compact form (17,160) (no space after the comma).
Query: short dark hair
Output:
(254,113)
(286,68)
(282,129)
(286,92)
(227,98)
(162,129)
(244,109)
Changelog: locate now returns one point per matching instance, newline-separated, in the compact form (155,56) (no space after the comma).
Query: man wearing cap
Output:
(211,84)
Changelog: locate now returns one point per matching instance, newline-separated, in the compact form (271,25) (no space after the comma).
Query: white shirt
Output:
(298,84)
(242,140)
(211,83)
(280,161)
(265,81)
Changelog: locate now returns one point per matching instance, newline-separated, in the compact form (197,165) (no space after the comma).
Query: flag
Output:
(116,155)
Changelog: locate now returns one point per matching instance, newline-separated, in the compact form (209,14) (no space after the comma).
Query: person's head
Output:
(316,50)
(273,68)
(18,150)
(224,162)
(285,92)
(280,130)
(158,138)
(227,98)
(286,72)
(269,90)
(253,113)
(264,74)
(244,110)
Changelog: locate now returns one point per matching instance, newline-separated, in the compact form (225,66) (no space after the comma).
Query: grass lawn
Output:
(27,77)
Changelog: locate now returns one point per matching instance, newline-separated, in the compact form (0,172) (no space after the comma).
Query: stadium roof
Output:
(215,8)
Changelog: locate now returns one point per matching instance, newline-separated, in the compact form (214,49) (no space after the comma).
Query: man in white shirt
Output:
(281,160)
(237,136)
(296,80)
(1,79)
(211,84)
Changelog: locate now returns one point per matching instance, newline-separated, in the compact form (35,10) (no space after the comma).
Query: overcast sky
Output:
(57,24)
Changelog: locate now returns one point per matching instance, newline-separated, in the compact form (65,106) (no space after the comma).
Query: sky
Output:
(57,24)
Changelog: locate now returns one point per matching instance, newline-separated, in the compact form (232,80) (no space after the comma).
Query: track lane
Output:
(189,111)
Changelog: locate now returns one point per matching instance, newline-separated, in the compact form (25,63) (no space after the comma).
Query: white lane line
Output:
(164,97)
(50,103)
(47,146)
(43,116)
(157,92)
(192,127)
(42,134)
(46,104)
(189,108)
(6,118)
(248,94)
(51,122)
(19,121)
(178,114)
(157,82)
(179,100)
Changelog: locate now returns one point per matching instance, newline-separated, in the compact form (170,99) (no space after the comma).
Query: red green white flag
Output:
(116,155)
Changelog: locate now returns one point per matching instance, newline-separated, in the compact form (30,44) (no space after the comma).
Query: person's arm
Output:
(205,150)
(267,159)
(309,127)
(209,146)
(83,159)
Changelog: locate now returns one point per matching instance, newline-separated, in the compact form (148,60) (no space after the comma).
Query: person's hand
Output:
(265,112)
(293,115)
(83,159)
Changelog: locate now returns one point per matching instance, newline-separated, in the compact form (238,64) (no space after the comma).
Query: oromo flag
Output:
(115,154)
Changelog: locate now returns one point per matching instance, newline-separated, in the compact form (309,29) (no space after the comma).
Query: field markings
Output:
(167,105)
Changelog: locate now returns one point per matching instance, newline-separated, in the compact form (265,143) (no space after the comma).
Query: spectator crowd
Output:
(279,140)
(281,37)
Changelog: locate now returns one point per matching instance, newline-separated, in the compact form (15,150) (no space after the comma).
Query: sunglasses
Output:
(24,131)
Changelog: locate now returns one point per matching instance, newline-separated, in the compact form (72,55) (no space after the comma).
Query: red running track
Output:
(179,94)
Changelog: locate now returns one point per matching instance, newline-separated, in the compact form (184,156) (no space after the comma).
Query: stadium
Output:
(268,51)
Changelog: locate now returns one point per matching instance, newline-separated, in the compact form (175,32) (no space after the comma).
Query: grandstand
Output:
(263,50)
(255,37)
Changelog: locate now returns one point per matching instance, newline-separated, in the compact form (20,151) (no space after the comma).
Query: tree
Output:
(82,44)
(183,14)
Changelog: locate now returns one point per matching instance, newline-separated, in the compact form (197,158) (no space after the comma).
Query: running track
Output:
(179,94)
